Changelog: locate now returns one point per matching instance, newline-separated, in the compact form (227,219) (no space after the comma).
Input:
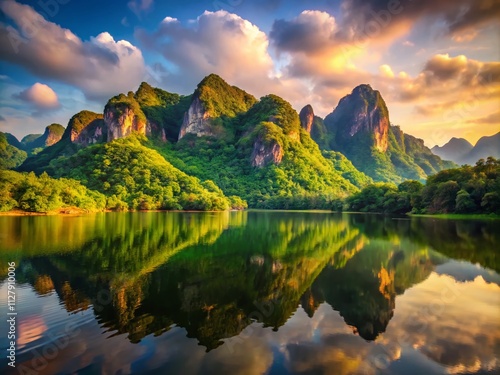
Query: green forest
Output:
(464,190)
(221,148)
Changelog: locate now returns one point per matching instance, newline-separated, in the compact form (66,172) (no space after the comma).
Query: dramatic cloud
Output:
(217,42)
(456,16)
(443,76)
(41,96)
(100,67)
(491,119)
(313,44)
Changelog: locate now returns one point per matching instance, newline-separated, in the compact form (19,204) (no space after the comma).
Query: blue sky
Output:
(436,63)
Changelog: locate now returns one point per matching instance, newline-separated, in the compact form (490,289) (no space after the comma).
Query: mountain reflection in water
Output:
(255,292)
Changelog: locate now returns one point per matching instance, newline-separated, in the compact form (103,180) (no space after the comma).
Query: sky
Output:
(436,63)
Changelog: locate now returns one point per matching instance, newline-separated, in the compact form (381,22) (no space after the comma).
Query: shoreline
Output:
(73,211)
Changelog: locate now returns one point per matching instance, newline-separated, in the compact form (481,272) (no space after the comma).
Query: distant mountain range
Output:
(461,151)
(156,149)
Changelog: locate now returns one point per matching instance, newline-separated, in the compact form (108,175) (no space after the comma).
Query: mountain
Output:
(359,128)
(461,151)
(34,143)
(258,150)
(10,155)
(231,147)
(454,150)
(13,141)
(254,149)
(485,147)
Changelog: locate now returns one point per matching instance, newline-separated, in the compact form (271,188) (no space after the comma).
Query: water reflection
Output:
(257,292)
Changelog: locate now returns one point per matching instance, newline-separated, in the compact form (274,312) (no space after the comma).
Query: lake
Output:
(257,292)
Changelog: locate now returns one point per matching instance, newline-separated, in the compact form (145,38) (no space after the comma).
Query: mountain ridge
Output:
(462,151)
(260,150)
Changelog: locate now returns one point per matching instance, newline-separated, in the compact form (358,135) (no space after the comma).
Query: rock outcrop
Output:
(266,152)
(307,118)
(94,133)
(196,120)
(53,134)
(362,112)
(85,128)
(121,121)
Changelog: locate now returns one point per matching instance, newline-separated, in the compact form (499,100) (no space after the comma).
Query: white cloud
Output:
(41,96)
(217,42)
(100,67)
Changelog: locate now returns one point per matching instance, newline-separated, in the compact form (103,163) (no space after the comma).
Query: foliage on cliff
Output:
(303,179)
(222,100)
(359,128)
(163,108)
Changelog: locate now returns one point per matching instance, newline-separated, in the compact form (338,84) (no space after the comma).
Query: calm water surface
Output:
(252,293)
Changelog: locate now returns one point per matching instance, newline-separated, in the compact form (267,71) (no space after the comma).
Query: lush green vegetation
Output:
(10,156)
(222,100)
(27,192)
(163,108)
(355,127)
(133,176)
(304,179)
(464,190)
(258,153)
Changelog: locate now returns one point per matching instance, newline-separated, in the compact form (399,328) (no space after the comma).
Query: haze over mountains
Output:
(461,151)
(220,142)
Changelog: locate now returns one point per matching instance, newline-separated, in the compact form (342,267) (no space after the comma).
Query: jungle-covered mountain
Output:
(224,143)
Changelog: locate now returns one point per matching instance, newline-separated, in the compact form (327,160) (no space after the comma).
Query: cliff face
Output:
(85,128)
(196,120)
(264,153)
(121,121)
(361,112)
(53,134)
(307,118)
(94,132)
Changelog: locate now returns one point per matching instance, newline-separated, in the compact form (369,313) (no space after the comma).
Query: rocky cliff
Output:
(85,128)
(266,152)
(214,105)
(362,112)
(121,120)
(196,120)
(306,116)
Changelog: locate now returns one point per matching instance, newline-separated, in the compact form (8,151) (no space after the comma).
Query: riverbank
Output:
(67,211)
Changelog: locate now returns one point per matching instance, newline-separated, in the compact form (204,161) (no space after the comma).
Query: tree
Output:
(464,203)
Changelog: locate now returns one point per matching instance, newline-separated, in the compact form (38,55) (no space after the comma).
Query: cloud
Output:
(455,16)
(313,43)
(445,76)
(492,118)
(41,96)
(138,7)
(216,42)
(2,119)
(100,67)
